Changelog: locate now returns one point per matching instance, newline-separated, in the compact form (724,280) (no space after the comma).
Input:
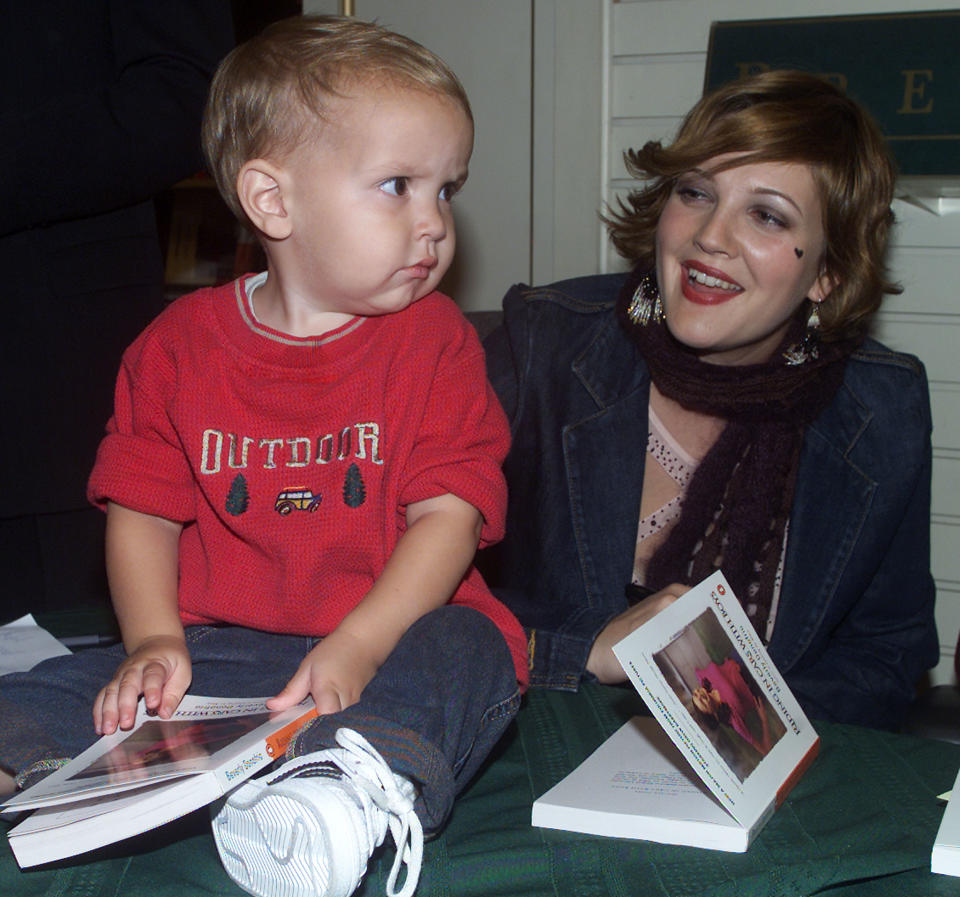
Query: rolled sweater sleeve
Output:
(140,462)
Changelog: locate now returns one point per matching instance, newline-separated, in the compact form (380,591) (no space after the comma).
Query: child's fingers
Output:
(291,693)
(154,678)
(105,712)
(111,708)
(161,676)
(173,692)
(131,687)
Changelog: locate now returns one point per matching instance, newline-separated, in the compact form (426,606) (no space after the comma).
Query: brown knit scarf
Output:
(739,499)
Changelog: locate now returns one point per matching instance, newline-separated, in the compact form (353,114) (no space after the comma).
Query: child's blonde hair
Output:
(271,92)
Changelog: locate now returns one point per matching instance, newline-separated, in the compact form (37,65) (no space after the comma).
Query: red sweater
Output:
(291,461)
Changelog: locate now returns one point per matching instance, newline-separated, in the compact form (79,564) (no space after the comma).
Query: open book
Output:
(726,742)
(133,781)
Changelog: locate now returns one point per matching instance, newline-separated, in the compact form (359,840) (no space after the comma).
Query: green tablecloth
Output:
(860,823)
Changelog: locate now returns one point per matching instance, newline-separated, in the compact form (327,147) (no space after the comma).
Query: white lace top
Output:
(679,465)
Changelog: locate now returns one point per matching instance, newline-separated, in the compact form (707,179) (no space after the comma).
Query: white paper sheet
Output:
(23,644)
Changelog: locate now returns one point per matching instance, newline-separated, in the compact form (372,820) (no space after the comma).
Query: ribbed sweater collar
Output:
(234,312)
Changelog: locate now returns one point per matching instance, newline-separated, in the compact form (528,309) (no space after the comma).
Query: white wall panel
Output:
(678,84)
(929,277)
(569,115)
(919,227)
(945,401)
(944,537)
(943,503)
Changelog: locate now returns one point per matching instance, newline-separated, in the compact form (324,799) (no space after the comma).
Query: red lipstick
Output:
(710,293)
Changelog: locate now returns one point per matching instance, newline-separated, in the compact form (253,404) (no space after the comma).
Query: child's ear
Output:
(260,190)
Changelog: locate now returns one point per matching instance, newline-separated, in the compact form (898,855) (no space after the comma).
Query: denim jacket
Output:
(854,628)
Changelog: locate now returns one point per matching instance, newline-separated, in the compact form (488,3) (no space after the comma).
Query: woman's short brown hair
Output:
(783,116)
(271,92)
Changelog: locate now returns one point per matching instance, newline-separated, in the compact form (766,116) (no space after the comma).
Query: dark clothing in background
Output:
(100,110)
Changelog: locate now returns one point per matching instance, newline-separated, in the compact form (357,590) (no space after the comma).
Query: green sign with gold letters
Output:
(904,67)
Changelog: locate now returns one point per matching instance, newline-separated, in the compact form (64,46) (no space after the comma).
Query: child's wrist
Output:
(154,641)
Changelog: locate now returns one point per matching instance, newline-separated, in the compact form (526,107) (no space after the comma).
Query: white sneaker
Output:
(309,829)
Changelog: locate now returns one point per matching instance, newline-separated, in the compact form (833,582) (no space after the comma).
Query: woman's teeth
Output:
(708,281)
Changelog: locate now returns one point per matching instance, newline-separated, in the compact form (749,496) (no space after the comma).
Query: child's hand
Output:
(334,674)
(159,669)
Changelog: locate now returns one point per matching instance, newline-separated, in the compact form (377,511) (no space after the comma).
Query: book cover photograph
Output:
(726,742)
(722,696)
(167,746)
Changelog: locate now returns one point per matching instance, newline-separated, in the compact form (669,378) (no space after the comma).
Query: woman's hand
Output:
(334,674)
(159,669)
(602,662)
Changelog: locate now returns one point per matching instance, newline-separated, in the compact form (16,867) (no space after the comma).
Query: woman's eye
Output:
(689,193)
(395,186)
(765,216)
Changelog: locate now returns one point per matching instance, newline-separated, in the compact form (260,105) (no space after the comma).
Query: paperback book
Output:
(726,741)
(133,781)
(945,856)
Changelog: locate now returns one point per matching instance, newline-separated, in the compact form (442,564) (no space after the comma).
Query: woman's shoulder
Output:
(885,388)
(885,378)
(563,318)
(873,359)
(590,294)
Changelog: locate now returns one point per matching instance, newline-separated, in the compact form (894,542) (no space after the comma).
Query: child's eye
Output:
(448,191)
(395,186)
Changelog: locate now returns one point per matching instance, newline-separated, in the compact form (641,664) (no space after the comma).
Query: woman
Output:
(721,407)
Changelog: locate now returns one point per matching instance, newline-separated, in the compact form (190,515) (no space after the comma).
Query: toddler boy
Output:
(301,465)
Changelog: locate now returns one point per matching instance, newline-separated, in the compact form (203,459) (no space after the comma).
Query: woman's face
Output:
(738,251)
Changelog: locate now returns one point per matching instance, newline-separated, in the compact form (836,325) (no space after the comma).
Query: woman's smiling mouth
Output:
(706,286)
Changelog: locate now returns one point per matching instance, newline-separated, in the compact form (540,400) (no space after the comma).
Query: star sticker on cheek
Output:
(798,252)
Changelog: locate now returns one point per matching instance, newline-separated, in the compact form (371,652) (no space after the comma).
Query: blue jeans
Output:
(434,710)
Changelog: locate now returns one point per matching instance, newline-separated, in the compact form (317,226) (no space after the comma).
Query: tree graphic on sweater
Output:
(354,492)
(238,498)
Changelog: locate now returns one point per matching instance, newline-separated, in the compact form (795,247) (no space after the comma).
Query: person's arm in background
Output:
(96,148)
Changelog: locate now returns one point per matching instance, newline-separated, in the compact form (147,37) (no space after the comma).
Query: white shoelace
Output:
(374,781)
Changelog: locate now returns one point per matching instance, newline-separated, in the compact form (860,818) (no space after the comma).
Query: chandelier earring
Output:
(808,347)
(645,306)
